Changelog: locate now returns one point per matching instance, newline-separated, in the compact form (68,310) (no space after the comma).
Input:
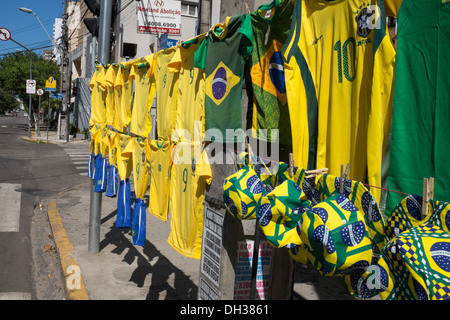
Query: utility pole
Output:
(104,42)
(64,68)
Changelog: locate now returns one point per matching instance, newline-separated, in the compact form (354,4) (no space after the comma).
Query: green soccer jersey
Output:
(420,131)
(222,54)
(270,23)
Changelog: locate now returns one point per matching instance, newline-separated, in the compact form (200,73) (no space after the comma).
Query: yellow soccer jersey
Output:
(339,74)
(144,92)
(124,160)
(108,82)
(135,151)
(95,146)
(98,97)
(166,92)
(189,175)
(189,121)
(159,154)
(104,144)
(112,135)
(123,96)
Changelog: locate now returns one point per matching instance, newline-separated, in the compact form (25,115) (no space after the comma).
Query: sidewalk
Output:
(120,270)
(123,271)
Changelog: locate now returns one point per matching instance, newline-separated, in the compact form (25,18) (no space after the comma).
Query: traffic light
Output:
(92,23)
(93,6)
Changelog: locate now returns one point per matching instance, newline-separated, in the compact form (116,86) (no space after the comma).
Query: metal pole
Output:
(103,57)
(29,99)
(48,119)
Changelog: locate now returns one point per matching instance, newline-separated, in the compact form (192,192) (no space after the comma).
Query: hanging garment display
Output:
(189,175)
(190,115)
(123,217)
(144,92)
(112,181)
(108,84)
(270,23)
(339,67)
(421,115)
(98,97)
(135,151)
(166,93)
(100,173)
(124,161)
(222,55)
(123,96)
(138,225)
(160,162)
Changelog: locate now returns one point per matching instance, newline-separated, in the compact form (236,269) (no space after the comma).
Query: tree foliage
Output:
(15,70)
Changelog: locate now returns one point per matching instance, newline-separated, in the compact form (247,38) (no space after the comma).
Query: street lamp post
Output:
(31,77)
(31,60)
(31,11)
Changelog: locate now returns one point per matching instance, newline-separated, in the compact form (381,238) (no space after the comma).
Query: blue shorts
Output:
(124,204)
(100,174)
(113,180)
(138,228)
(91,169)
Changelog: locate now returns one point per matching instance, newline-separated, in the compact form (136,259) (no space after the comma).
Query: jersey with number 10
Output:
(339,63)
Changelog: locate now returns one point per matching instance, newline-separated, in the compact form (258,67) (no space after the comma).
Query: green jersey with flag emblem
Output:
(270,23)
(222,54)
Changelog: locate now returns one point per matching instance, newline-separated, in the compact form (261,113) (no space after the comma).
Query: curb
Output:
(73,280)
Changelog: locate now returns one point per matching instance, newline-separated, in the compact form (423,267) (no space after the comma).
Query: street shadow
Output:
(308,279)
(151,263)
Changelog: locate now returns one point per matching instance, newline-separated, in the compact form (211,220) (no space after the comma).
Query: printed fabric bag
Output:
(408,214)
(280,210)
(243,189)
(343,234)
(415,265)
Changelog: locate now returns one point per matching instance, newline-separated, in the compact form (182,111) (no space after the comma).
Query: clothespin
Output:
(291,164)
(250,153)
(247,9)
(428,194)
(316,172)
(344,175)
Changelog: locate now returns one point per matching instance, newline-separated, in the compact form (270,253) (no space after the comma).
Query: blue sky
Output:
(24,27)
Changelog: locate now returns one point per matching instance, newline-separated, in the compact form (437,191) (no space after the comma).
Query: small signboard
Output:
(50,84)
(40,92)
(31,86)
(159,17)
(5,34)
(57,95)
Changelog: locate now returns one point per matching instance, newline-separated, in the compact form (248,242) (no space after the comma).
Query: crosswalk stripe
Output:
(15,296)
(10,207)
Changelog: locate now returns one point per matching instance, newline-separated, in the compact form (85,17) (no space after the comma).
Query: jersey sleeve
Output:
(392,7)
(203,168)
(247,40)
(200,53)
(176,62)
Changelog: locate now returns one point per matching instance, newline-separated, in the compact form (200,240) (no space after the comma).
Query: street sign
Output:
(50,84)
(31,86)
(58,95)
(5,34)
(40,92)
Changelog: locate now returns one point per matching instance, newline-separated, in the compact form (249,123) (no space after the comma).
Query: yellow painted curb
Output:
(73,280)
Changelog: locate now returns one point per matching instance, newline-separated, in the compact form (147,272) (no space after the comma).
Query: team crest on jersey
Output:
(364,21)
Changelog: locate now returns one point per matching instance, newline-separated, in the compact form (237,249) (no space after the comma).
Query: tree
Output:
(15,70)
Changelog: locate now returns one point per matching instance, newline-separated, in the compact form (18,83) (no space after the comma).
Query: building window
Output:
(189,10)
(129,50)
